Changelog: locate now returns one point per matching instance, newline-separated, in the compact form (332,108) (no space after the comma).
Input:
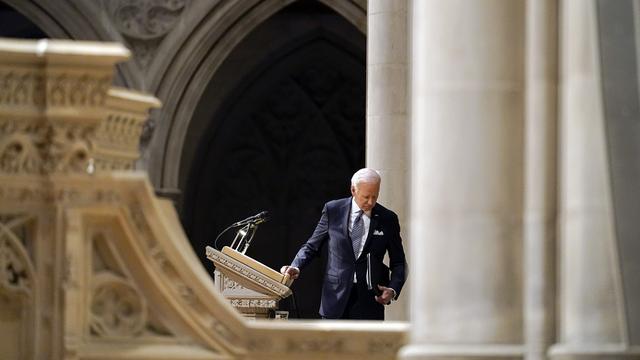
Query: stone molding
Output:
(282,340)
(593,352)
(462,352)
(246,275)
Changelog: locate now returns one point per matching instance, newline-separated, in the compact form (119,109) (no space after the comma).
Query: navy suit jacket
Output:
(383,236)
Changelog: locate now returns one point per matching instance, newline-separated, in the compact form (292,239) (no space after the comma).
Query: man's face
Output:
(365,194)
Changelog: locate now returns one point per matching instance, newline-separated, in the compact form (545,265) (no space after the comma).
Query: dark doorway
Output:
(287,135)
(16,25)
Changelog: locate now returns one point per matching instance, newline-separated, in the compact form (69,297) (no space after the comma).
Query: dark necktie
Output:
(356,232)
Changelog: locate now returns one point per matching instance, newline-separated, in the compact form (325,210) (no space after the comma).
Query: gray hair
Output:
(365,175)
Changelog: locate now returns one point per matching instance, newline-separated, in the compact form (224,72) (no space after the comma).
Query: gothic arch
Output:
(306,57)
(181,85)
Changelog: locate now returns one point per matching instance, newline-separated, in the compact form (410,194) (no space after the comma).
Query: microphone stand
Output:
(245,234)
(243,238)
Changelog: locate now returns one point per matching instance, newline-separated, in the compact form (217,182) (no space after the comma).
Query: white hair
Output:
(365,175)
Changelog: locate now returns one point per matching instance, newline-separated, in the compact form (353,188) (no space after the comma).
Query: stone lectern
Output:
(252,287)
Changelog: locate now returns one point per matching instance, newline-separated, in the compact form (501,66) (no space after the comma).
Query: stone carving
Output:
(253,303)
(337,344)
(117,309)
(45,148)
(120,132)
(33,193)
(27,88)
(69,148)
(38,147)
(20,88)
(16,271)
(118,136)
(17,287)
(77,90)
(146,19)
(145,22)
(165,265)
(258,279)
(230,284)
(22,147)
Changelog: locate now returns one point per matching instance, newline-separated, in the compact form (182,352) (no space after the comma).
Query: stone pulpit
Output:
(252,287)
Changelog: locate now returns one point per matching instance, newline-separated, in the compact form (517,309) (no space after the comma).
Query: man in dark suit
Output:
(352,228)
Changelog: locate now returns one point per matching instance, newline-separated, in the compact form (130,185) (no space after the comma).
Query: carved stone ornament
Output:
(251,278)
(44,148)
(34,146)
(28,88)
(118,136)
(230,284)
(117,309)
(15,267)
(253,303)
(145,22)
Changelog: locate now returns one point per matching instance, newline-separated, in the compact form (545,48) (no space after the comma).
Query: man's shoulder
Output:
(384,212)
(338,202)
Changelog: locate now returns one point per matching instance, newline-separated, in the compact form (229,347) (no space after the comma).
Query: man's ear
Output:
(353,190)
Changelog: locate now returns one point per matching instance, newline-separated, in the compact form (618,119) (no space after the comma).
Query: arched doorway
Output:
(284,132)
(16,25)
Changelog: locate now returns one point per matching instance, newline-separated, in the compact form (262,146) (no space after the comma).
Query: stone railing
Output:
(93,265)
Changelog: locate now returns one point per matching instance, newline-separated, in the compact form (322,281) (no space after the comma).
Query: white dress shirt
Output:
(366,222)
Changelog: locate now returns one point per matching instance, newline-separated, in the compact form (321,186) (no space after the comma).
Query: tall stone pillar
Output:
(467,95)
(592,320)
(540,176)
(387,113)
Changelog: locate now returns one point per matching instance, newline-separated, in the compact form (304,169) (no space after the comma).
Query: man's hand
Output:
(293,271)
(386,296)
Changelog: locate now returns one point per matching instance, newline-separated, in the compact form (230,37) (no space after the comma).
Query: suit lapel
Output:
(345,210)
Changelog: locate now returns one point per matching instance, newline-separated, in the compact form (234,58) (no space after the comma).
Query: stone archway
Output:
(180,78)
(280,128)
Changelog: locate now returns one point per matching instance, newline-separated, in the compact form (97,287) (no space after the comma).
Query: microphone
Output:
(255,219)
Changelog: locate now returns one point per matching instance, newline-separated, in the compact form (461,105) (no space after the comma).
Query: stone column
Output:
(591,323)
(540,176)
(467,95)
(387,114)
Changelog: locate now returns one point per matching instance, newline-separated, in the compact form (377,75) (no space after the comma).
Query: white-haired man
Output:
(356,230)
